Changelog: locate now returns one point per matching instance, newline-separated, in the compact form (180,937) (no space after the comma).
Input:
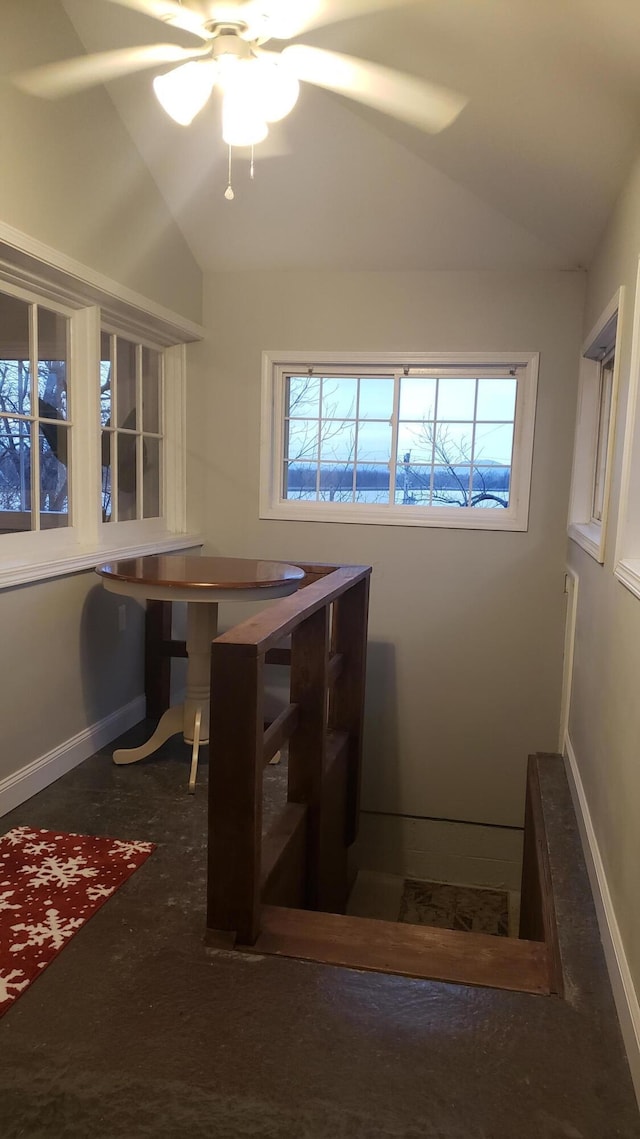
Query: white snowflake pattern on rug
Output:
(39,847)
(63,874)
(95,892)
(51,883)
(17,836)
(4,904)
(53,929)
(126,850)
(9,981)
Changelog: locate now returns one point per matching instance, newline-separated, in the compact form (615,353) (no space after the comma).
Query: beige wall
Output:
(604,725)
(72,178)
(66,664)
(466,627)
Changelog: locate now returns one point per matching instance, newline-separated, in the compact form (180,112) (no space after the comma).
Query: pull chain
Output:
(229,194)
(251,168)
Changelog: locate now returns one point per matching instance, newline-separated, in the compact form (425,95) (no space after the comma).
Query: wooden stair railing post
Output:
(157,665)
(346,704)
(307,745)
(235,791)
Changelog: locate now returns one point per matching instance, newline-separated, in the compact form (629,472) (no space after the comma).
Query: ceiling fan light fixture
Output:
(184,91)
(282,19)
(260,84)
(276,89)
(242,123)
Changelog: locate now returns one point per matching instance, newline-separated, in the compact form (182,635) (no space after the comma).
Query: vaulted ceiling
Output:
(525,178)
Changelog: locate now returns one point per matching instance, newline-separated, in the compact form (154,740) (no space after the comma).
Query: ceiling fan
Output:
(258,85)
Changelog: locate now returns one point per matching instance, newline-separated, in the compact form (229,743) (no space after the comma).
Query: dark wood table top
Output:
(181,570)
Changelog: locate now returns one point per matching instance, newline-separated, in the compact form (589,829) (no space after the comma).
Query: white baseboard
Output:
(624,992)
(463,853)
(38,774)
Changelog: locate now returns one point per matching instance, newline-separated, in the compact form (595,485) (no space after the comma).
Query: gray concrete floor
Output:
(136,1029)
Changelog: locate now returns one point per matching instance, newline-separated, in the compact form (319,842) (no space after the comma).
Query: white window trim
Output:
(27,264)
(627,552)
(272,504)
(582,528)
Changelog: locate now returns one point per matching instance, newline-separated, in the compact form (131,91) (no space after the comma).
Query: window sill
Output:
(627,572)
(459,518)
(84,559)
(589,535)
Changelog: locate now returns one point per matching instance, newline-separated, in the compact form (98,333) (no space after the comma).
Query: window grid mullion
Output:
(35,426)
(139,445)
(114,423)
(395,430)
(356,441)
(320,422)
(473,440)
(432,473)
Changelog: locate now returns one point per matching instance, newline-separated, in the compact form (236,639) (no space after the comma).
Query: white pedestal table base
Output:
(192,717)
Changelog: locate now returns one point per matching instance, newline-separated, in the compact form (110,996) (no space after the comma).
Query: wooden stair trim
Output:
(336,749)
(282,867)
(538,913)
(279,731)
(422,952)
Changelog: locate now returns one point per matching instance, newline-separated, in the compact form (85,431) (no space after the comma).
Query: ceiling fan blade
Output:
(169,12)
(55,80)
(284,19)
(412,100)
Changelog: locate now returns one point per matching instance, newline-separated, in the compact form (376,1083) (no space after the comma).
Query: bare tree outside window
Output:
(308,437)
(337,439)
(20,431)
(457,476)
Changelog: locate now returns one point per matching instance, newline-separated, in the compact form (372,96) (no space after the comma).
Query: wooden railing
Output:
(284,892)
(302,861)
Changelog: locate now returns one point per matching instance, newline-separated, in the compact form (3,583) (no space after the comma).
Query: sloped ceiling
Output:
(525,178)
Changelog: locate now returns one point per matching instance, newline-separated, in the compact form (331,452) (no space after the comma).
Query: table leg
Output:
(194,753)
(202,628)
(169,724)
(192,717)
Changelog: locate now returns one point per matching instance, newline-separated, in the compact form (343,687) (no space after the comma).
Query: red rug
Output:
(50,885)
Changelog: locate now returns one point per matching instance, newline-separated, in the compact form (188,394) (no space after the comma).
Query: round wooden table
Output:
(202,582)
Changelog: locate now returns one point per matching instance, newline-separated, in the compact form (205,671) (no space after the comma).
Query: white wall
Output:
(466,627)
(72,178)
(604,725)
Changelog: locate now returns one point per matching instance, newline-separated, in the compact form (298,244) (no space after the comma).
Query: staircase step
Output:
(418,951)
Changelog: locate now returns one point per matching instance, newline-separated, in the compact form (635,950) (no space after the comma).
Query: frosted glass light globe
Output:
(184,91)
(276,88)
(242,122)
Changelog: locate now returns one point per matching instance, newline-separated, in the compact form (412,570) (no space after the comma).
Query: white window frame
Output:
(277,364)
(627,551)
(588,531)
(26,537)
(41,274)
(141,432)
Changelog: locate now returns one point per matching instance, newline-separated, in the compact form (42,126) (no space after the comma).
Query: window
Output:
(131,378)
(605,391)
(403,440)
(594,433)
(627,553)
(34,416)
(92,418)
